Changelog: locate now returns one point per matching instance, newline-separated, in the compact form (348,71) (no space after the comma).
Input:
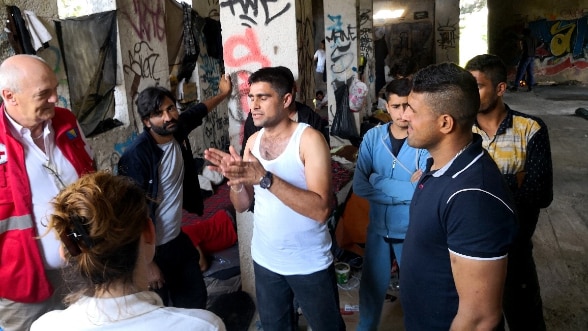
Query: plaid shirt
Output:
(522,152)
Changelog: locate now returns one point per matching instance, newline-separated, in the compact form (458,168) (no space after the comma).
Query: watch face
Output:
(266,181)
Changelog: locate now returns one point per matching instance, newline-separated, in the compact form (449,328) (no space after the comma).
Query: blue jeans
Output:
(375,278)
(316,294)
(526,66)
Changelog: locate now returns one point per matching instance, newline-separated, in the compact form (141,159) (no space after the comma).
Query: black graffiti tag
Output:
(246,5)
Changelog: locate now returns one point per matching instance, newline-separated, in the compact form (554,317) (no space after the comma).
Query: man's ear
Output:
(288,99)
(146,122)
(501,88)
(8,96)
(446,123)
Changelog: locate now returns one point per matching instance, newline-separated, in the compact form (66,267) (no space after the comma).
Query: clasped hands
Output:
(239,171)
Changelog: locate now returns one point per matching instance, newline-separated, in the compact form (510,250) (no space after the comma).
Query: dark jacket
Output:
(140,161)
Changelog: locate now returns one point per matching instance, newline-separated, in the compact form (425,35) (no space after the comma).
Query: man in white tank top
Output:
(288,167)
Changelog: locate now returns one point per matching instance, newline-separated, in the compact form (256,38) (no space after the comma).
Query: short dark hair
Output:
(451,90)
(150,99)
(280,78)
(400,87)
(319,92)
(490,65)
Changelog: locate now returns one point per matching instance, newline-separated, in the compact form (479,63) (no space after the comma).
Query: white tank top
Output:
(284,241)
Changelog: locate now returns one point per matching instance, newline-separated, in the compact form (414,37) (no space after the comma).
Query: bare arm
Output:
(224,87)
(479,285)
(315,201)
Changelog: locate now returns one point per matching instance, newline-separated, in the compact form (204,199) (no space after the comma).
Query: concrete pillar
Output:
(447,28)
(341,39)
(366,49)
(143,46)
(256,37)
(305,43)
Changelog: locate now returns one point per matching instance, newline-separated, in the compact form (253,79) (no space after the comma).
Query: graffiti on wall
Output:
(216,123)
(249,10)
(242,51)
(52,55)
(366,49)
(447,35)
(366,41)
(305,52)
(141,61)
(147,20)
(213,12)
(340,38)
(564,44)
(410,41)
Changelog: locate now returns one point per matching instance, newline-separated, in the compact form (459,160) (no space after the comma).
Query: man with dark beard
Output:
(519,144)
(160,160)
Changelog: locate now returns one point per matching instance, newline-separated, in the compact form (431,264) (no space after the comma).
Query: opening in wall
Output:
(473,29)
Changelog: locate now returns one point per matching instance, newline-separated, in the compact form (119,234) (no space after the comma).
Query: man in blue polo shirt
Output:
(462,218)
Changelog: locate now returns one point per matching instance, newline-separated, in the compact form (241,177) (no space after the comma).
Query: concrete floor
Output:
(561,238)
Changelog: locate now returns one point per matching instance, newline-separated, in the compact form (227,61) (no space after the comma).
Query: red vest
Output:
(22,274)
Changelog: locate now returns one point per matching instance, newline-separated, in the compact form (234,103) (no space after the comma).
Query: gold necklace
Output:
(39,137)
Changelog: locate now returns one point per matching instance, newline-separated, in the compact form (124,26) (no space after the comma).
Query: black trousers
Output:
(184,284)
(522,304)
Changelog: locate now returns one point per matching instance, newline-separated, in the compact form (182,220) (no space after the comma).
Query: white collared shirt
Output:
(45,184)
(139,311)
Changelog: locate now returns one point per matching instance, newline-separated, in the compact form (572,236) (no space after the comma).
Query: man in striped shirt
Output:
(519,144)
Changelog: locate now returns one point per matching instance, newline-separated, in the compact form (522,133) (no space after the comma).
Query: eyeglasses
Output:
(52,170)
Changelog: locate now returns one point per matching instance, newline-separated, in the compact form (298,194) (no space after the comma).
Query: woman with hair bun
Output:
(108,240)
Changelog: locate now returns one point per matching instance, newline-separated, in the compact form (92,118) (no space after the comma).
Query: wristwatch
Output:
(266,181)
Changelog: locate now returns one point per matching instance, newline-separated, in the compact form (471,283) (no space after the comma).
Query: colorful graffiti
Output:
(247,45)
(340,40)
(248,42)
(215,133)
(270,12)
(147,19)
(564,44)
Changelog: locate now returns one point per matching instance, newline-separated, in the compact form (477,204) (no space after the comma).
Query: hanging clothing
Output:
(39,35)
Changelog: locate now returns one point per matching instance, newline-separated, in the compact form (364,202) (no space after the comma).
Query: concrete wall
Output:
(366,50)
(561,24)
(342,51)
(447,31)
(305,42)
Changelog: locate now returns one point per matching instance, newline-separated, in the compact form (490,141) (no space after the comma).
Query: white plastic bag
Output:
(357,93)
